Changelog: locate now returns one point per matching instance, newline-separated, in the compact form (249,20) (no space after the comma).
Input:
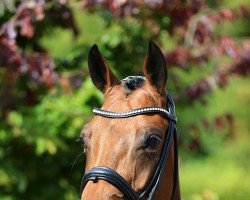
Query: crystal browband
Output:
(131,113)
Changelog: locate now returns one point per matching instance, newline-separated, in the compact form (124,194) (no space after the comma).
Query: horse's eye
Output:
(81,141)
(152,142)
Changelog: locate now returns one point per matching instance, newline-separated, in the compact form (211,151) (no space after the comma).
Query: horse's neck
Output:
(164,191)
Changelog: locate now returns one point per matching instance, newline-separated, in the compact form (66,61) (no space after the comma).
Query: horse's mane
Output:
(133,82)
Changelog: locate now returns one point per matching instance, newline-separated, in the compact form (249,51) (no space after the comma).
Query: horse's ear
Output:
(154,68)
(101,75)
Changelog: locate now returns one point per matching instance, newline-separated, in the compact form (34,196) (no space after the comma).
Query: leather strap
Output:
(111,176)
(152,186)
(132,113)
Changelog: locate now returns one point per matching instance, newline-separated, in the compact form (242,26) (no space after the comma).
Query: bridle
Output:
(104,173)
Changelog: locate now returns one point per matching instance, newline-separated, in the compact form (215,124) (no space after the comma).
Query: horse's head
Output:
(130,146)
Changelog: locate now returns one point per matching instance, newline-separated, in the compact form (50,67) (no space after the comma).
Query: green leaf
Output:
(15,119)
(40,146)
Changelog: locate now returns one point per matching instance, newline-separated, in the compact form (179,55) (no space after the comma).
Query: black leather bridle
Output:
(115,179)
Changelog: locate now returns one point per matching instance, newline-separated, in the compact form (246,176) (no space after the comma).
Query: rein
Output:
(104,173)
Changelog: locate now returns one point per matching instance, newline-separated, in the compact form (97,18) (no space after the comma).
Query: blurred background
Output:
(46,94)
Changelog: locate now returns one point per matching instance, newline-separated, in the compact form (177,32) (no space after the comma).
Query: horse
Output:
(131,141)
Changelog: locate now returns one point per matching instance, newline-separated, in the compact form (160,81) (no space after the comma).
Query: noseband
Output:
(104,173)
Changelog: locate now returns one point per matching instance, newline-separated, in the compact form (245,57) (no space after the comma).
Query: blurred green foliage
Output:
(222,174)
(39,158)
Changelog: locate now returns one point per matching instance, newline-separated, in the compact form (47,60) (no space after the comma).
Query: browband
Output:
(138,111)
